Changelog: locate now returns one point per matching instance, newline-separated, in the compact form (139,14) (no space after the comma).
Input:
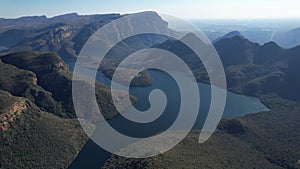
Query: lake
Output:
(93,156)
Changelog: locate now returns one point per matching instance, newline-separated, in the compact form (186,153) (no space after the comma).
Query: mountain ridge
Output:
(263,139)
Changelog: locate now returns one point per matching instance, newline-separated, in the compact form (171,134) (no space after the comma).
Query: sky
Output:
(186,9)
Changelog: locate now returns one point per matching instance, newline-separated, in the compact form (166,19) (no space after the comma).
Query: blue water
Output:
(92,156)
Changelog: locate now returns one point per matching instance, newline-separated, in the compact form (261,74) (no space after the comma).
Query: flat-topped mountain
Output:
(28,22)
(66,34)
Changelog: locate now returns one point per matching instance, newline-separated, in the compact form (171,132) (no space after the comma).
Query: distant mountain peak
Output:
(33,17)
(231,35)
(295,30)
(271,44)
(149,14)
(68,15)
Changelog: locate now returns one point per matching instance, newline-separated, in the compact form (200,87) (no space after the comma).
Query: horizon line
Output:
(121,13)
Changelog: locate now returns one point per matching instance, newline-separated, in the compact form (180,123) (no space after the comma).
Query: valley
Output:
(39,127)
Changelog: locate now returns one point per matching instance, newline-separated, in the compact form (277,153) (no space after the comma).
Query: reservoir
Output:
(92,156)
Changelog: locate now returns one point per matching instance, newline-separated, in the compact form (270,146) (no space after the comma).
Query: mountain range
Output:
(287,39)
(250,68)
(38,123)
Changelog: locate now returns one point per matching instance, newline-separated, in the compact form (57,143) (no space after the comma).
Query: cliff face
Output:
(11,109)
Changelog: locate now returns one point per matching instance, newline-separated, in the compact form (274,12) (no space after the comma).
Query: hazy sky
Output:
(189,9)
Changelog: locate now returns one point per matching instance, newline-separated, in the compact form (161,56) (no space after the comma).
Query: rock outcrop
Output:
(11,109)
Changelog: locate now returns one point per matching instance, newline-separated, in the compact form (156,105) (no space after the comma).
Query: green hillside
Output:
(262,140)
(38,139)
